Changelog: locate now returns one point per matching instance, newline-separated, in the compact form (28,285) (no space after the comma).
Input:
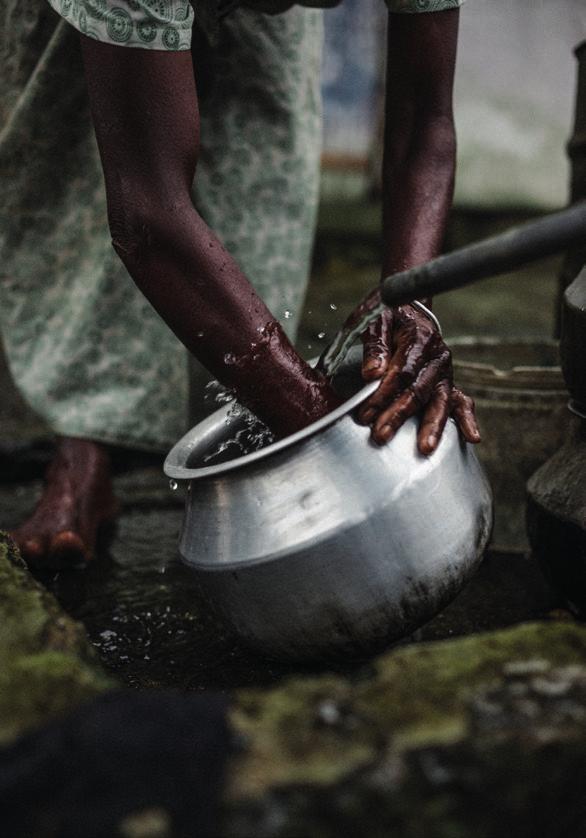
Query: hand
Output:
(405,350)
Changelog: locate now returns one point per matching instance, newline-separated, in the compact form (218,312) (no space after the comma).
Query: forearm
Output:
(199,290)
(144,106)
(420,142)
(418,185)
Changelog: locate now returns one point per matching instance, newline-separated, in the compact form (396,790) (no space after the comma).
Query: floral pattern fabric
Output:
(84,346)
(150,24)
(167,24)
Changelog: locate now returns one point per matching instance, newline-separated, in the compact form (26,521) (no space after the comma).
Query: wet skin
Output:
(145,111)
(77,500)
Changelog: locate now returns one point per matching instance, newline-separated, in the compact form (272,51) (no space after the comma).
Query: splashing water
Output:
(217,394)
(254,434)
(331,360)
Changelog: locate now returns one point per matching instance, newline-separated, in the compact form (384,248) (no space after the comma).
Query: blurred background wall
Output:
(515,89)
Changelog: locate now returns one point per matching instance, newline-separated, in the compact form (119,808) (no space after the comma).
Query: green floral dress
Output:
(167,24)
(84,346)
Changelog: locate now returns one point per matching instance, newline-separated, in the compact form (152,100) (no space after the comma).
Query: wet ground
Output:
(141,606)
(142,610)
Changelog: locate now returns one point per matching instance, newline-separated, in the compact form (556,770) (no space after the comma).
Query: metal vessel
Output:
(324,545)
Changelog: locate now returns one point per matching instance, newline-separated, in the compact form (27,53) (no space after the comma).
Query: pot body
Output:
(330,546)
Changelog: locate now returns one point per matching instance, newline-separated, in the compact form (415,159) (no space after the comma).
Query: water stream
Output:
(333,357)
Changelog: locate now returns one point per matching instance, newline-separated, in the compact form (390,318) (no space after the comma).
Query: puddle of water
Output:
(142,610)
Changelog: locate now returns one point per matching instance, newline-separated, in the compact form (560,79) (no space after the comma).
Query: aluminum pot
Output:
(324,545)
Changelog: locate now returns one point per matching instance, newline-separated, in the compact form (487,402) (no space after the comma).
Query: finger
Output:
(377,348)
(403,366)
(423,387)
(434,419)
(417,396)
(390,420)
(465,416)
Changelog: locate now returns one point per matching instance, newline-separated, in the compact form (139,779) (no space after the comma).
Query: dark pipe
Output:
(499,254)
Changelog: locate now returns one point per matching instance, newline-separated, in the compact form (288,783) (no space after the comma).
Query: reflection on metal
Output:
(330,546)
(573,408)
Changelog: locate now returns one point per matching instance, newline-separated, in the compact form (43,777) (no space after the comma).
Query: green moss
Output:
(415,696)
(46,663)
(424,687)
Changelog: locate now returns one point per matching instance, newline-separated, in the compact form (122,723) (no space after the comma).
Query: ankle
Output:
(74,455)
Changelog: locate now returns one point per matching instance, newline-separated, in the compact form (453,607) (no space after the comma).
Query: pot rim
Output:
(182,450)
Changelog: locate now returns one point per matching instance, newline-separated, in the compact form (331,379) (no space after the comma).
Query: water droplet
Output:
(321,335)
(287,314)
(333,306)
(200,334)
(173,485)
(309,346)
(229,359)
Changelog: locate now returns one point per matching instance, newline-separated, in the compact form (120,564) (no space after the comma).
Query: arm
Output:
(420,140)
(144,107)
(403,347)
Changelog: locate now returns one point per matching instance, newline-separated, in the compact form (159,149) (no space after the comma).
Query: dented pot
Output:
(323,545)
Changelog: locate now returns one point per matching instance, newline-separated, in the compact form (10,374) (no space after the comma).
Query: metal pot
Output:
(324,545)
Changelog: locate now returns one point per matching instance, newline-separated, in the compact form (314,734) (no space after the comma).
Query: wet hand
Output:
(405,350)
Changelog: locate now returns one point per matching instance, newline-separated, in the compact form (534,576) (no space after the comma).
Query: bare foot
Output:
(77,499)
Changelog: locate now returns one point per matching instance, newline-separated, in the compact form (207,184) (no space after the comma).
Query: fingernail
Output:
(386,432)
(372,366)
(367,415)
(431,441)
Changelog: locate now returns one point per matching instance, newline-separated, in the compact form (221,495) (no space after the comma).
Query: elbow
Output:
(143,212)
(140,227)
(130,218)
(132,235)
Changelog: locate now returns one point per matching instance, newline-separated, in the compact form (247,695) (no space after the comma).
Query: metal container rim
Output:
(181,450)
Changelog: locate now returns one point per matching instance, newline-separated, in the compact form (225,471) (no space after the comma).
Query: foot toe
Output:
(32,550)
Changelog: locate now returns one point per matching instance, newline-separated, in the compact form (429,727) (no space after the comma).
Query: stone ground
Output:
(427,721)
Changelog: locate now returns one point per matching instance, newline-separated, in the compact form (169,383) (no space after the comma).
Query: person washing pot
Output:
(178,112)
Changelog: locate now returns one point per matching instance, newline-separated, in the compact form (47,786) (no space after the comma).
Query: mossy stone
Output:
(47,665)
(431,741)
